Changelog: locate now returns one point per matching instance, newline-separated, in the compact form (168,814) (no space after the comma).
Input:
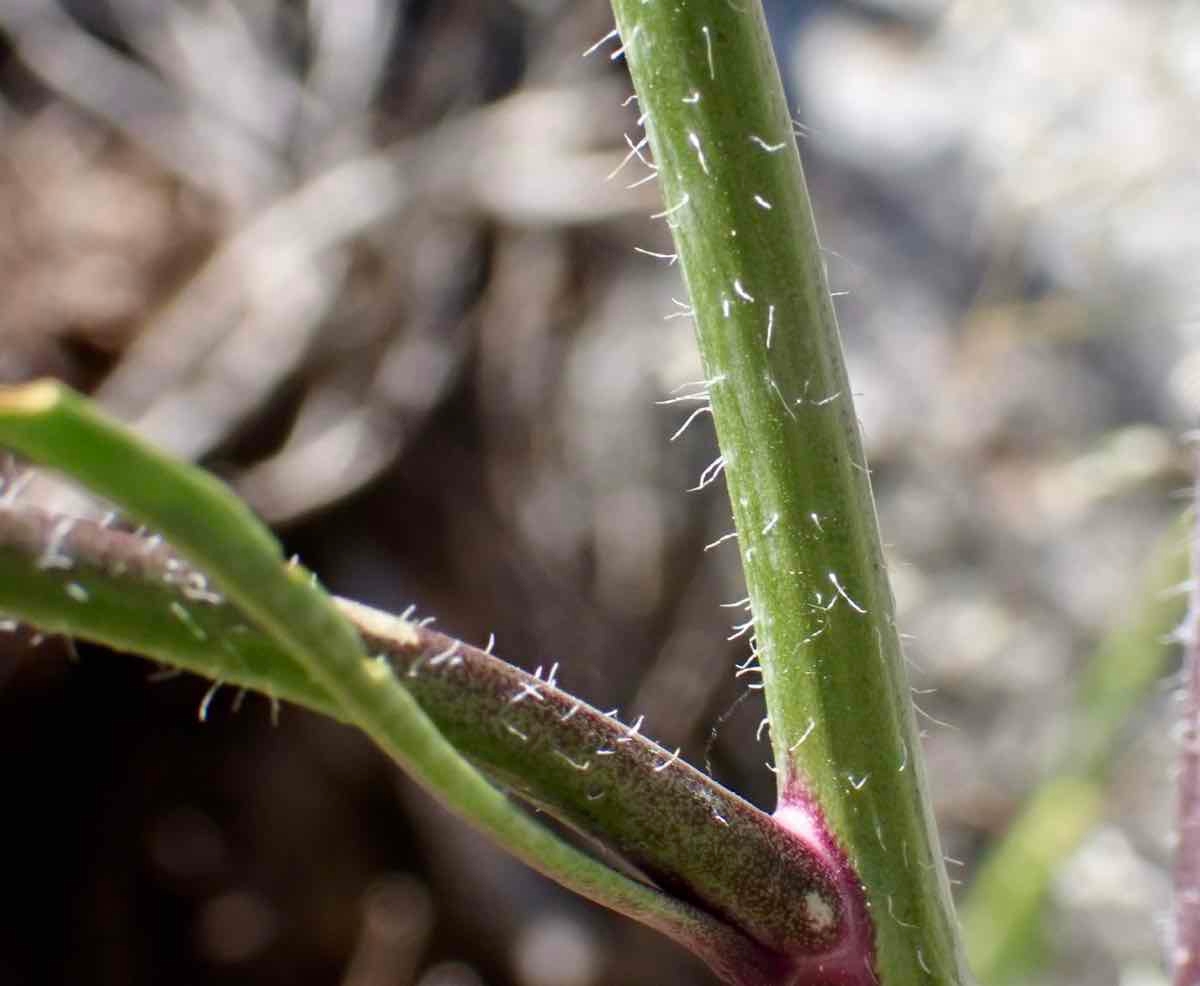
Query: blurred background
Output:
(359,258)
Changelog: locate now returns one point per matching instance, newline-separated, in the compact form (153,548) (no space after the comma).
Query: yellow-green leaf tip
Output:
(30,398)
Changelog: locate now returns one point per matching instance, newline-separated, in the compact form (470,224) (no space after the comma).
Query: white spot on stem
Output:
(921,962)
(842,592)
(659,768)
(782,400)
(769,148)
(673,209)
(632,731)
(812,724)
(892,913)
(818,911)
(442,657)
(581,767)
(694,140)
(195,587)
(52,556)
(527,690)
(816,633)
(184,617)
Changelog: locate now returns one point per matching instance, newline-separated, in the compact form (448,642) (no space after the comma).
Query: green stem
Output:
(842,725)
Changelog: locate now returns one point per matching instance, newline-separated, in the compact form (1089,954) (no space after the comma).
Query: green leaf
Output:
(300,623)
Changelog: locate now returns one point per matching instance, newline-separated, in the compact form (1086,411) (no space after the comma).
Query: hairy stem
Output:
(843,731)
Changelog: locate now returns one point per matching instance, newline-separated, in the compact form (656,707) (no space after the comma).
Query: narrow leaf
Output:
(218,534)
(602,777)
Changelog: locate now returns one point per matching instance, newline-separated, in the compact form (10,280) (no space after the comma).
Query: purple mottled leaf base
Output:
(851,961)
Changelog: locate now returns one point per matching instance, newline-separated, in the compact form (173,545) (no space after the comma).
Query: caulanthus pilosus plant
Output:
(844,884)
